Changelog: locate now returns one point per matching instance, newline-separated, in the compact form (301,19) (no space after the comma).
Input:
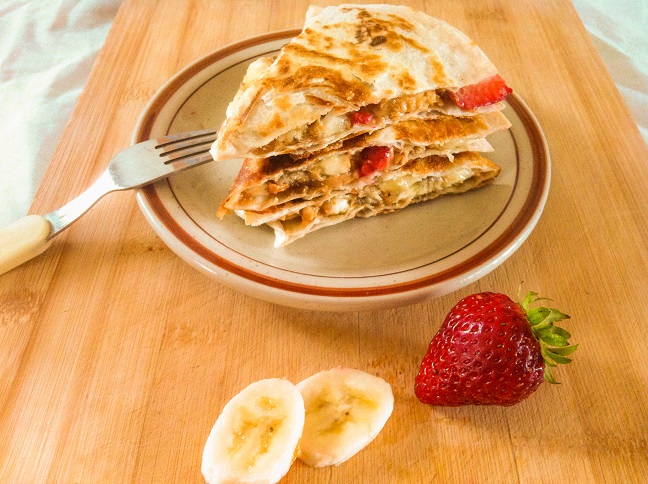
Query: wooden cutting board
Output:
(116,357)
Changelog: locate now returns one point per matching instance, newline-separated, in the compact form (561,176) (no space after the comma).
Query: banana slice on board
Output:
(255,439)
(345,411)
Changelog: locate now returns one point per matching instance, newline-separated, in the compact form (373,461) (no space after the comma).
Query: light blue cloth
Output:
(48,48)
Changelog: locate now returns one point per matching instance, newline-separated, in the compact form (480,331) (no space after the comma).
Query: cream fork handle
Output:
(23,240)
(31,235)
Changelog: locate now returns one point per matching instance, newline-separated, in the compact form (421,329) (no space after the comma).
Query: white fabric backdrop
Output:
(47,49)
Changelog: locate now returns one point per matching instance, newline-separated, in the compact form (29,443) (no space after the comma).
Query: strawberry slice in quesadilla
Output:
(369,109)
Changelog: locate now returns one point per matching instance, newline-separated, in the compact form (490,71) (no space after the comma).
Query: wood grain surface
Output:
(116,357)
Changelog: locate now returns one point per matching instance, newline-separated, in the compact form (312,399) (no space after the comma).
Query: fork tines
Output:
(184,146)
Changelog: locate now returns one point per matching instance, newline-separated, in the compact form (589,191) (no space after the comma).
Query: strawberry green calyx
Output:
(554,340)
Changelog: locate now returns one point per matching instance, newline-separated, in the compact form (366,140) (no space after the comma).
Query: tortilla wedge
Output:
(389,61)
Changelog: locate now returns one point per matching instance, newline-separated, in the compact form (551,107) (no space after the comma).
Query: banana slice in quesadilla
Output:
(355,69)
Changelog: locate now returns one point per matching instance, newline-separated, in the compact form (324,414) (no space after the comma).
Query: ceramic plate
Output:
(423,251)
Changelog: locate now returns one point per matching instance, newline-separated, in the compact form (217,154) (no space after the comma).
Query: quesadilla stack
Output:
(370,109)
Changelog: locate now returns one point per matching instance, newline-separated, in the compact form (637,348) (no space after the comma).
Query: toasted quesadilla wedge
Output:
(370,109)
(266,182)
(393,189)
(352,70)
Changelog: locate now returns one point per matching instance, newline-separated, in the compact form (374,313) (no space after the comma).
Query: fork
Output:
(134,167)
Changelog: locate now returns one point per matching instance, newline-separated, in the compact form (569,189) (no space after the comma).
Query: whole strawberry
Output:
(492,351)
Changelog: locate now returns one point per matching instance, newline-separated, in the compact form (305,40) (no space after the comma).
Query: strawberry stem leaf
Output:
(560,332)
(537,315)
(564,351)
(547,359)
(554,341)
(549,377)
(562,360)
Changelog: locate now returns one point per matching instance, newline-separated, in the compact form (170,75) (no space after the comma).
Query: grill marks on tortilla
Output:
(365,65)
(405,81)
(376,25)
(378,40)
(391,34)
(369,63)
(436,72)
(275,124)
(439,129)
(378,31)
(322,73)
